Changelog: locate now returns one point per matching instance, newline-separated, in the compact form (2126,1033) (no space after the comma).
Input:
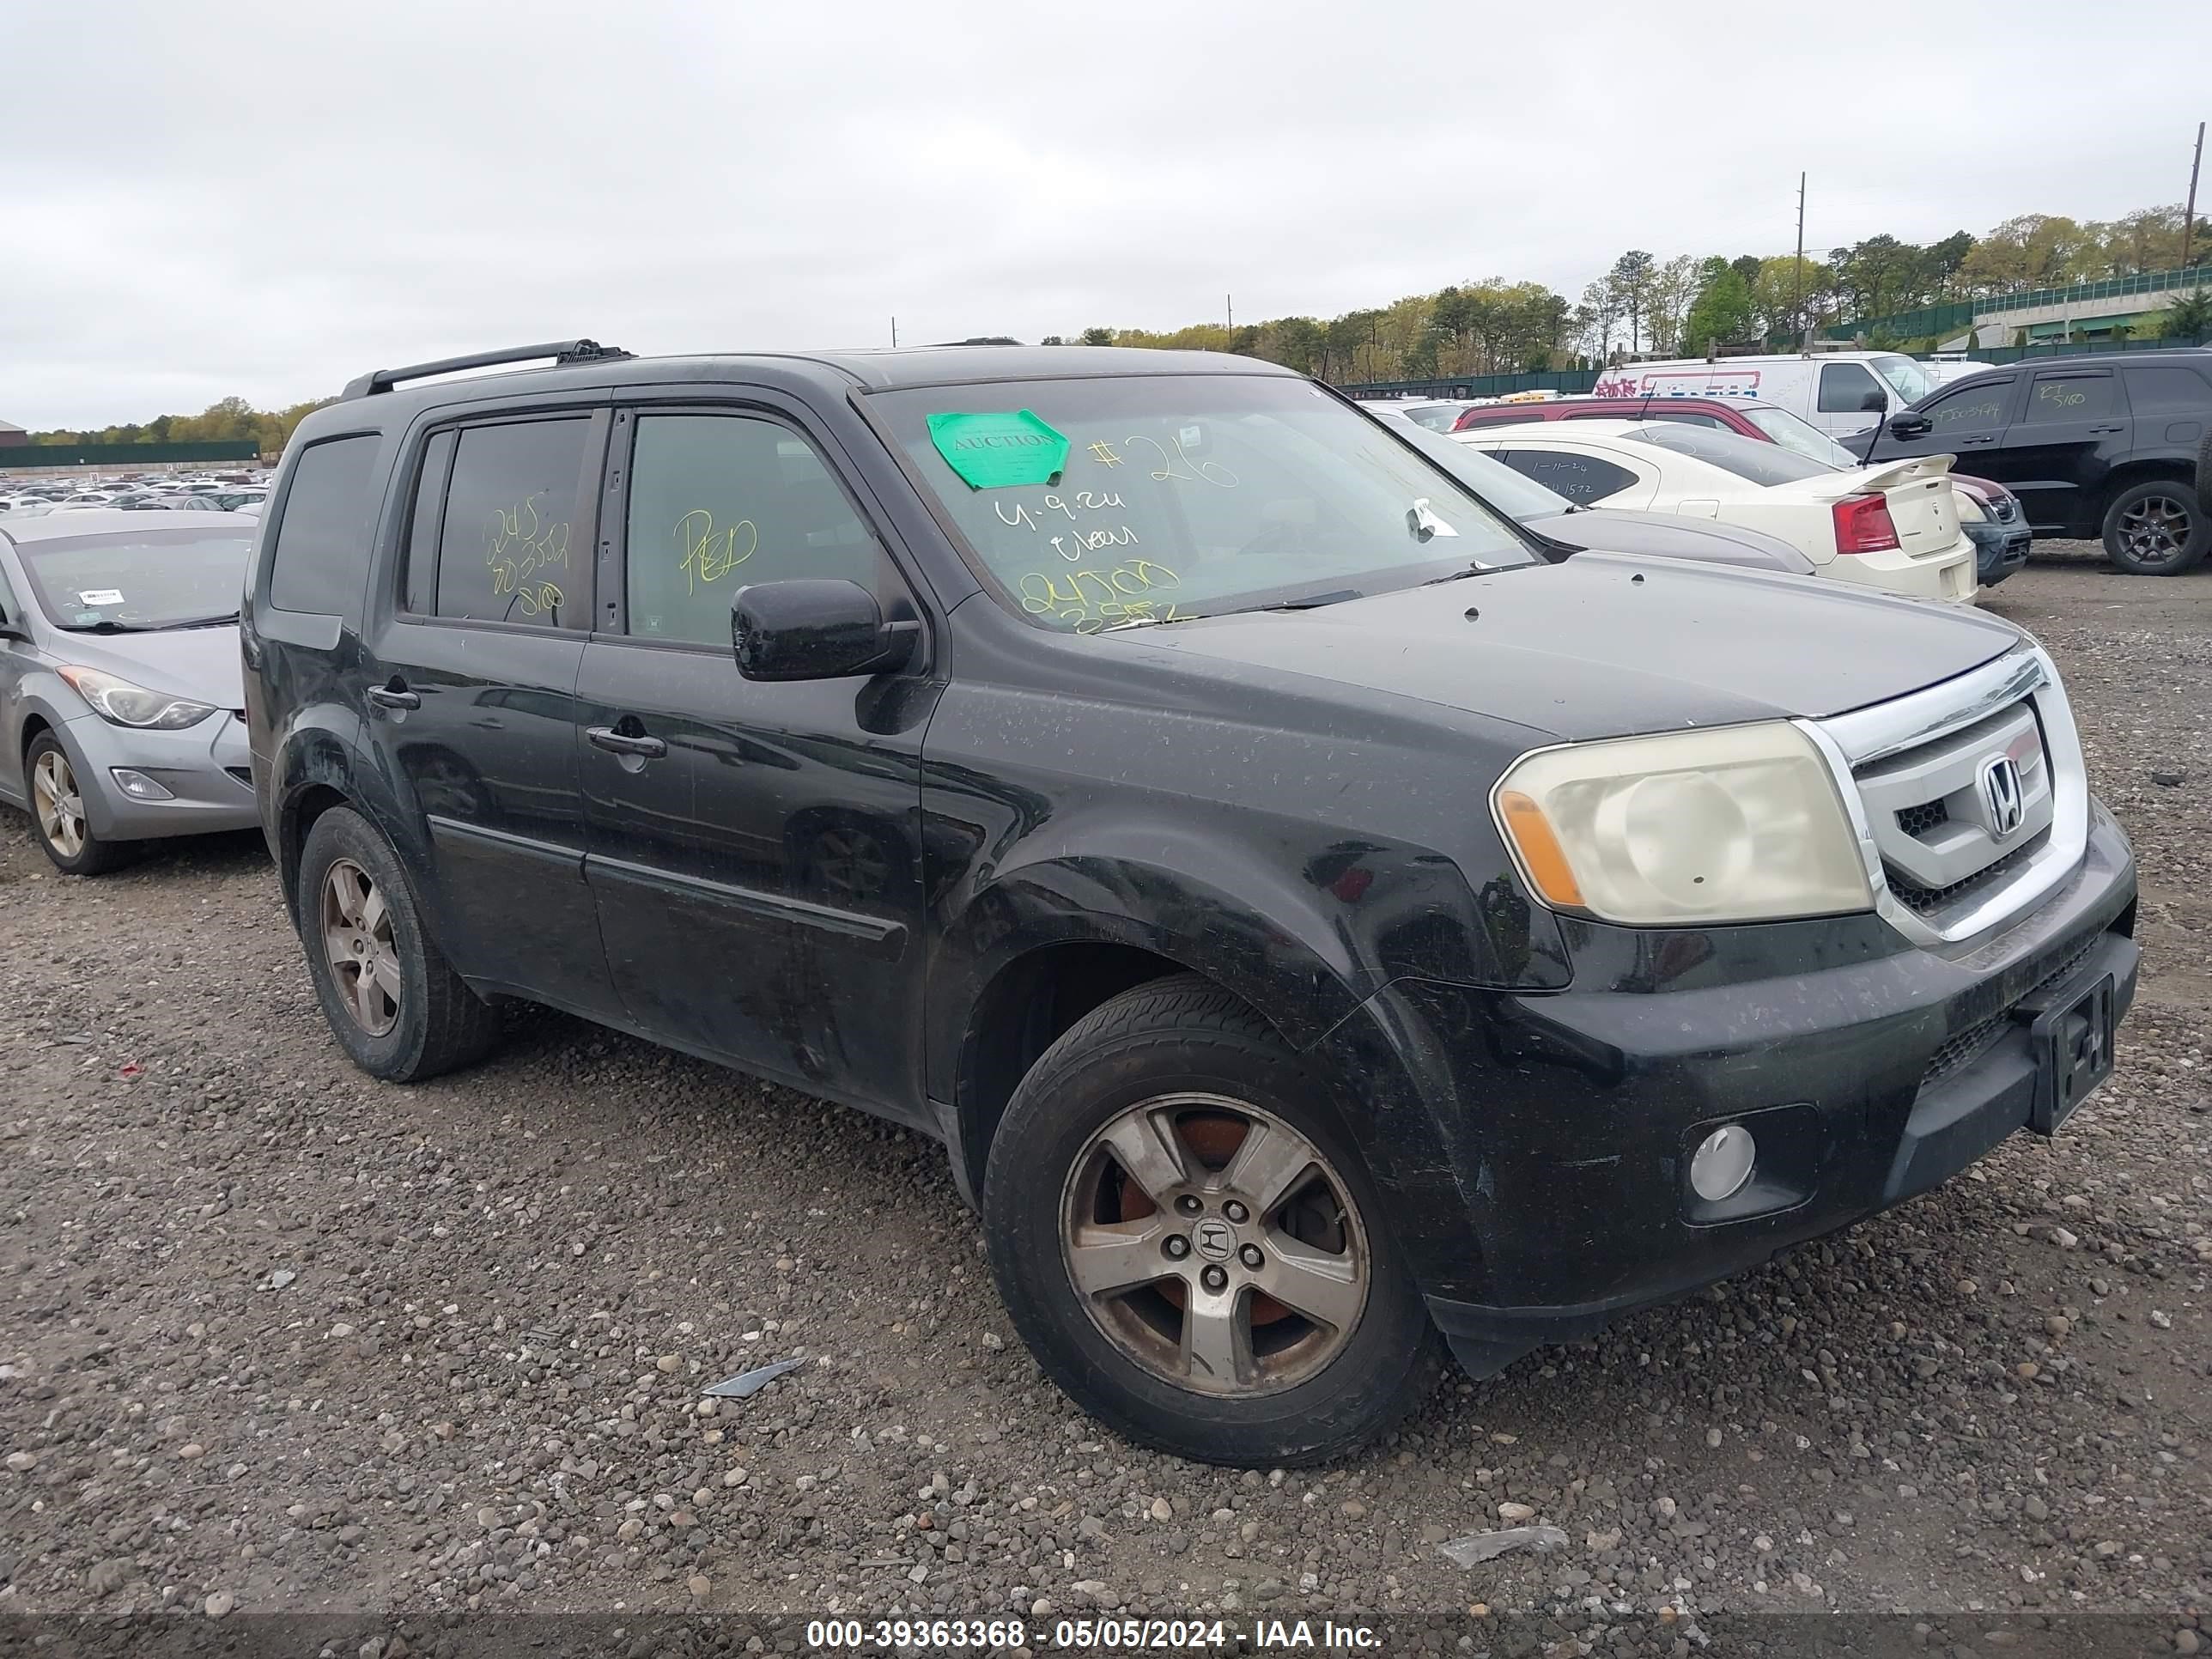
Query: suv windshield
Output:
(1748,458)
(1909,380)
(124,581)
(1799,435)
(1165,497)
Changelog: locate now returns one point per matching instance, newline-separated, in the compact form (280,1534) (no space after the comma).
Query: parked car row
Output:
(1336,898)
(2115,449)
(1989,513)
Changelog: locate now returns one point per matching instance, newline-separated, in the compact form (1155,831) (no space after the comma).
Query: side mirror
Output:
(1875,402)
(812,629)
(1910,424)
(12,630)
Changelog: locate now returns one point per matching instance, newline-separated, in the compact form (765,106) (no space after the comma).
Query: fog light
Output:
(1723,1162)
(138,786)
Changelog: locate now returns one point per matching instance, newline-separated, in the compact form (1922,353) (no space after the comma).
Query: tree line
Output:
(1685,304)
(231,419)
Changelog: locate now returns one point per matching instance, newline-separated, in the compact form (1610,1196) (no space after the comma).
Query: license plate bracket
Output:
(2072,1040)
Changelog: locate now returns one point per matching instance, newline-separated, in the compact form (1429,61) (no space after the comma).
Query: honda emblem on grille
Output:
(2001,801)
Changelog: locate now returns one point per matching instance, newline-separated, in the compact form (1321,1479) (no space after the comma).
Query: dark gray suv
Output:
(1322,919)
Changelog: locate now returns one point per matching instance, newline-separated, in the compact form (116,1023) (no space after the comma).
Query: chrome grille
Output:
(1927,901)
(1919,820)
(1936,819)
(2004,509)
(1941,841)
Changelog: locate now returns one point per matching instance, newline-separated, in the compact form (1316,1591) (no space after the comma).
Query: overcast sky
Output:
(265,199)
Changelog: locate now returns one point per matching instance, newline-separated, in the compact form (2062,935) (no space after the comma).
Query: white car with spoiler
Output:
(1892,527)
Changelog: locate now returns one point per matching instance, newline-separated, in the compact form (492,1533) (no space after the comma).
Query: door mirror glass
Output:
(813,627)
(1910,424)
(1875,402)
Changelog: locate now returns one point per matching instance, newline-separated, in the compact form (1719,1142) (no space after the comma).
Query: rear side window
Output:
(321,547)
(2068,398)
(718,501)
(1844,388)
(2155,391)
(1977,407)
(1711,422)
(1583,479)
(509,546)
(1752,458)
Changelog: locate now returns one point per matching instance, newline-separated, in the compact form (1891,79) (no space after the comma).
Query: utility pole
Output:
(1228,304)
(2188,214)
(894,333)
(1797,271)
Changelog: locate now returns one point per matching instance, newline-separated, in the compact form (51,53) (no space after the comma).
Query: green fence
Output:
(15,456)
(1938,319)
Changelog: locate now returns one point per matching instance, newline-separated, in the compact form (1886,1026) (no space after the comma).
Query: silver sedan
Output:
(121,698)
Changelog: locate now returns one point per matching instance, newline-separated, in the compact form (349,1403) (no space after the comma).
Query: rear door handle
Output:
(2108,428)
(394,695)
(622,742)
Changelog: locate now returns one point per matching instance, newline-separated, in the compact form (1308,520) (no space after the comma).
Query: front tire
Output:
(1191,1246)
(2156,528)
(395,1006)
(57,813)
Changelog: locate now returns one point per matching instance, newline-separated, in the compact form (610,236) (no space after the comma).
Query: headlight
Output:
(1970,507)
(121,703)
(1736,824)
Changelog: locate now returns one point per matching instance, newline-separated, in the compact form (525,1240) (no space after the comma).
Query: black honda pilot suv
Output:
(1323,921)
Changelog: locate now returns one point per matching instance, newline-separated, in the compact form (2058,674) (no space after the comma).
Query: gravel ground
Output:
(276,1337)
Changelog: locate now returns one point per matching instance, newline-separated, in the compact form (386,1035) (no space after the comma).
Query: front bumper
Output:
(1999,549)
(1867,1079)
(205,768)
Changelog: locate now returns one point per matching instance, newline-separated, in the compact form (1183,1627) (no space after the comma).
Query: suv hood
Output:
(1605,645)
(199,662)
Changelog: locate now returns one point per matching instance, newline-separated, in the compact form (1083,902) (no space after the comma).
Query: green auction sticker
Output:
(1000,450)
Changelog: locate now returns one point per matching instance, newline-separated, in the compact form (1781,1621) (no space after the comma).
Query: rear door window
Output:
(1844,388)
(319,553)
(2069,396)
(511,546)
(1583,479)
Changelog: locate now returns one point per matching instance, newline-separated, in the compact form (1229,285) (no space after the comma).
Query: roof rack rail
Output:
(561,351)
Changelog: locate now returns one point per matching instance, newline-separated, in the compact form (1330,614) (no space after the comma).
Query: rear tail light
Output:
(1864,525)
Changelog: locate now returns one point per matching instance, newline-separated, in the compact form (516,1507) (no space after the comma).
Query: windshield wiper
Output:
(204,622)
(1313,602)
(1143,622)
(108,625)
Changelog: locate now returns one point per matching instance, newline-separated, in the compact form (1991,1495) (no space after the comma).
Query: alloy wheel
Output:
(60,805)
(357,942)
(2156,530)
(1214,1245)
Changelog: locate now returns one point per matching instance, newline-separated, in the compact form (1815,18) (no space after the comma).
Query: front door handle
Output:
(2108,428)
(622,743)
(395,696)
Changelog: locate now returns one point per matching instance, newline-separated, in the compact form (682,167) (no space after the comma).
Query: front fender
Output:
(1274,945)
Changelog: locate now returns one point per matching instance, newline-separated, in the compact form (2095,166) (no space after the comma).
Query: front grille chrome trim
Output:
(1868,735)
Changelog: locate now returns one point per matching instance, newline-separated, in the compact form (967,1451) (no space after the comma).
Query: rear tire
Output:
(394,1005)
(2157,528)
(57,813)
(1160,1261)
